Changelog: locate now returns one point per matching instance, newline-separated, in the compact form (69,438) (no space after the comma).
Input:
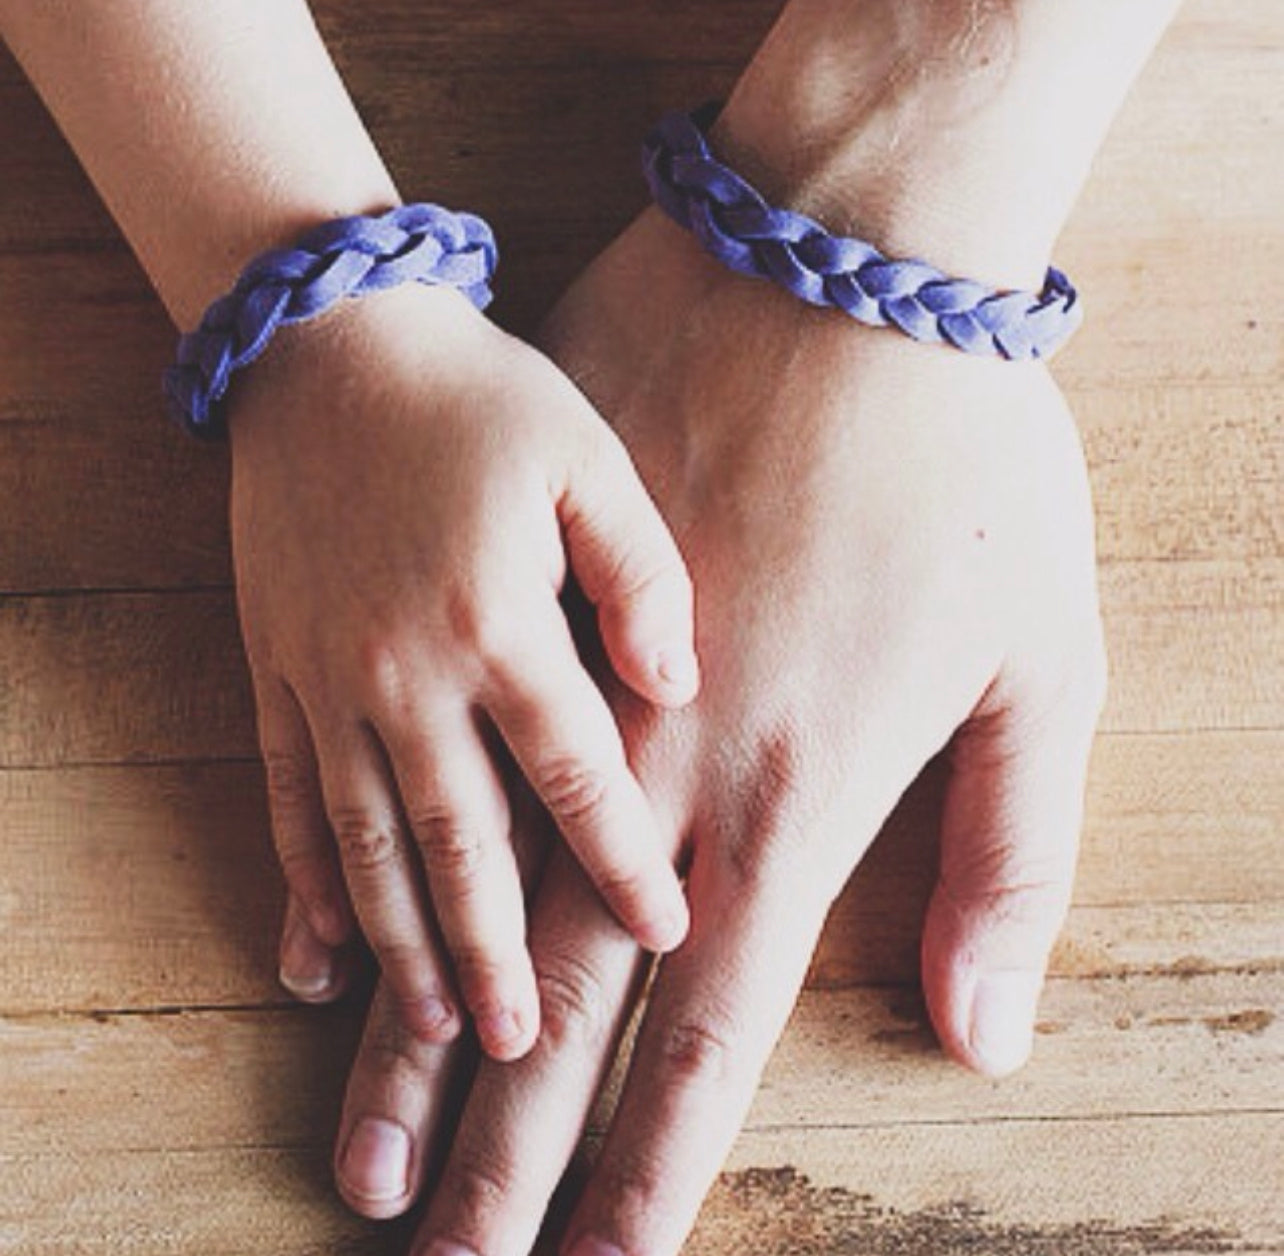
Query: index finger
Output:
(523,1119)
(716,1010)
(566,741)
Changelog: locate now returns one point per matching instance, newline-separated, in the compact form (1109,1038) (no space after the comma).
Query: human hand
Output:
(893,552)
(892,547)
(408,486)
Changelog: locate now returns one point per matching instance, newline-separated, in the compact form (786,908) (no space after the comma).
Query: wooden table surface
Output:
(160,1094)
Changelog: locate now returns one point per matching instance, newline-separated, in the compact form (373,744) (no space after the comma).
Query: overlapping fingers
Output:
(566,742)
(714,1015)
(395,1113)
(458,813)
(522,1121)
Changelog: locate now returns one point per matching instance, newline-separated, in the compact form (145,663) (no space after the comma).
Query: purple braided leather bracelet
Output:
(742,230)
(347,257)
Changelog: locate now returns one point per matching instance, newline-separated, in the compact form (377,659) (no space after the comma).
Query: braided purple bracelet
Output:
(743,231)
(347,257)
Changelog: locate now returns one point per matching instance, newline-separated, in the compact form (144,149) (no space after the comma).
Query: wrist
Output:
(959,134)
(214,233)
(319,378)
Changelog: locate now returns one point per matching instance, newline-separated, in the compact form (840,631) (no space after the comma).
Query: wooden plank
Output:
(850,1060)
(1185,473)
(162,1202)
(880,944)
(138,888)
(139,677)
(144,887)
(1194,645)
(1172,1186)
(1176,1186)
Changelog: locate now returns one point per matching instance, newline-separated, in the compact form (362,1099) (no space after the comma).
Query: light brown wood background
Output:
(159,1094)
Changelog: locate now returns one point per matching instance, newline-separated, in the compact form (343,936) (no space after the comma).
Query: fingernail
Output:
(591,1245)
(671,929)
(436,1018)
(499,1029)
(307,969)
(678,669)
(1003,1010)
(376,1164)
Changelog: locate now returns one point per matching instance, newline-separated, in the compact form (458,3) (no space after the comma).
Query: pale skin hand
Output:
(409,485)
(852,622)
(893,552)
(392,663)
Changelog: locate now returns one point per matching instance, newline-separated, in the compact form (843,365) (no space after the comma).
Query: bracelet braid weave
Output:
(347,257)
(734,223)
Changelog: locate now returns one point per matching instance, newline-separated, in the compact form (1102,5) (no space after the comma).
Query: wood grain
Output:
(851,1059)
(160,1094)
(126,677)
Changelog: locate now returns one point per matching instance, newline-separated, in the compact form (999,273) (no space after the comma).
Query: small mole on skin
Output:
(980,534)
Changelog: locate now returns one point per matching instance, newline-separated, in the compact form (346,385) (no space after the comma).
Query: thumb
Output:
(629,567)
(1009,843)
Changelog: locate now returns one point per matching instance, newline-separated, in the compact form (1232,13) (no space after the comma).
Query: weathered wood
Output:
(854,1059)
(159,1094)
(1170,1186)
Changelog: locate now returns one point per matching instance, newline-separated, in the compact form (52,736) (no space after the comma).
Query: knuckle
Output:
(452,845)
(478,626)
(632,1180)
(480,970)
(573,1004)
(626,890)
(396,1058)
(367,842)
(1007,885)
(479,1181)
(379,669)
(308,873)
(291,781)
(406,961)
(574,792)
(699,1051)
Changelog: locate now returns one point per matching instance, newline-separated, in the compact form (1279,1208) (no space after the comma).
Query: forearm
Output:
(212,130)
(958,130)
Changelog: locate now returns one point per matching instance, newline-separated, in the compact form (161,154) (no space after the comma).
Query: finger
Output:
(395,1111)
(1009,843)
(300,829)
(629,566)
(310,969)
(522,1121)
(716,1010)
(384,879)
(455,803)
(563,736)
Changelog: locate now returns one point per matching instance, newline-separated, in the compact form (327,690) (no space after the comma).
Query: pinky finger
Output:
(300,828)
(310,969)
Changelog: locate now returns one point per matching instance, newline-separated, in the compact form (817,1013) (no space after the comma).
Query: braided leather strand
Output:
(347,257)
(734,223)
